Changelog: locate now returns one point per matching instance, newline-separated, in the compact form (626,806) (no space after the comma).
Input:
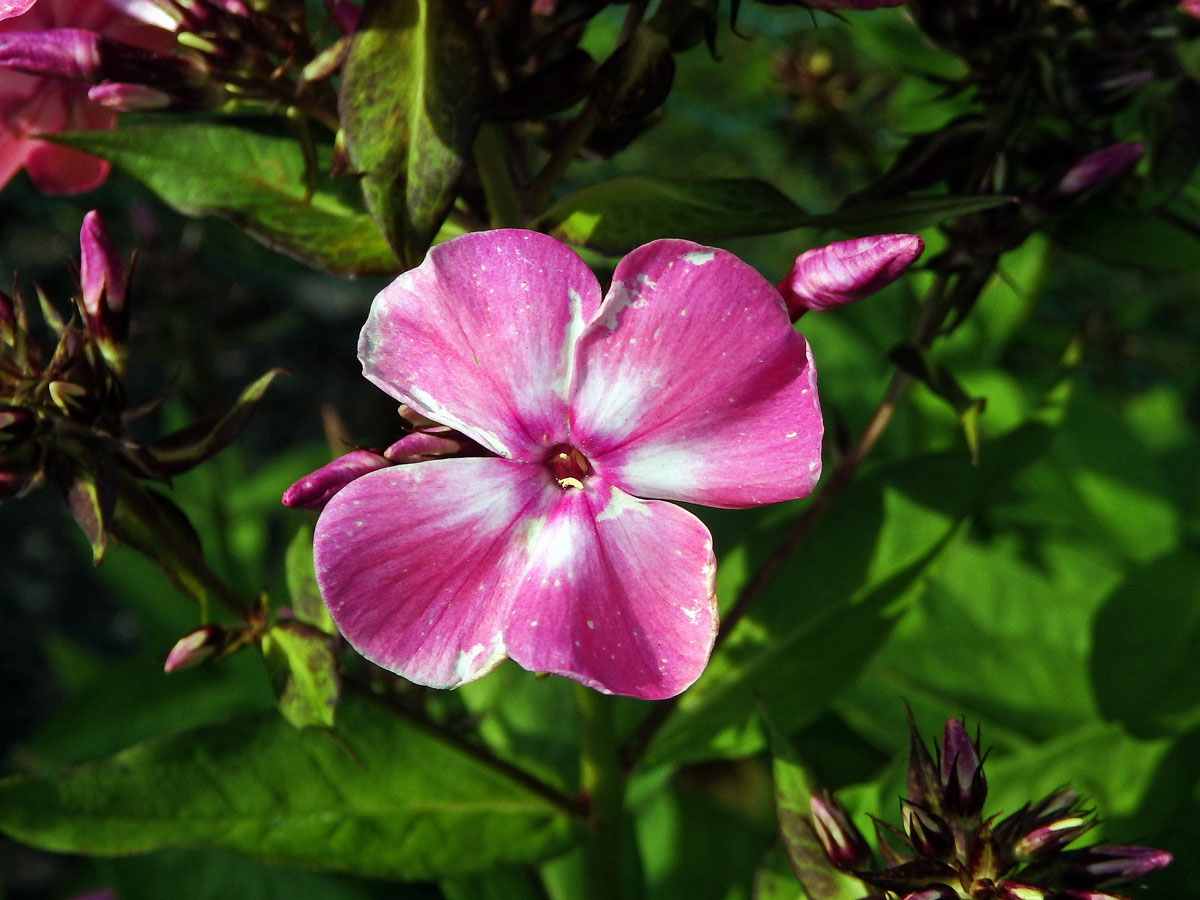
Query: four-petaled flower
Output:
(685,382)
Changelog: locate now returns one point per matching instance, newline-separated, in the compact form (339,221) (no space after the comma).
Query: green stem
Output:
(603,786)
(149,527)
(491,161)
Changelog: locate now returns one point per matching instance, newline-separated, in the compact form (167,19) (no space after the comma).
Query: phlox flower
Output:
(557,548)
(31,105)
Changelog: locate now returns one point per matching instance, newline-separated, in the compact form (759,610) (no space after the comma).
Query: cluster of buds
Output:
(63,404)
(947,850)
(225,52)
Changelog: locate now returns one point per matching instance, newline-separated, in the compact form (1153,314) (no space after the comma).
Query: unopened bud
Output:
(1098,167)
(124,97)
(345,15)
(101,274)
(16,423)
(433,443)
(1015,890)
(843,272)
(964,787)
(934,892)
(843,843)
(69,53)
(1105,865)
(195,647)
(313,491)
(927,833)
(1051,837)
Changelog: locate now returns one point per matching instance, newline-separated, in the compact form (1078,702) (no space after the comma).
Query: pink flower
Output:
(32,105)
(843,272)
(1191,7)
(685,382)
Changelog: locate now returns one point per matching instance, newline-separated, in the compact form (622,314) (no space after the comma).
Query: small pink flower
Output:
(685,382)
(1191,7)
(843,272)
(31,105)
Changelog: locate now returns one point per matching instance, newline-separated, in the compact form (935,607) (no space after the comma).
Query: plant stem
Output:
(603,786)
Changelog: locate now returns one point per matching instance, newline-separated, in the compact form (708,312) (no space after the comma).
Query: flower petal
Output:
(618,595)
(480,337)
(693,385)
(416,563)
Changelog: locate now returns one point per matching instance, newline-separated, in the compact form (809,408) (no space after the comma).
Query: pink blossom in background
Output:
(685,382)
(846,271)
(1191,7)
(1100,166)
(31,105)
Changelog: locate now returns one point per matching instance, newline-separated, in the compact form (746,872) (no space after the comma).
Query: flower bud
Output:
(934,892)
(195,647)
(1050,837)
(431,443)
(70,53)
(1015,890)
(927,833)
(964,787)
(1109,865)
(313,491)
(124,97)
(16,423)
(843,272)
(843,843)
(1098,167)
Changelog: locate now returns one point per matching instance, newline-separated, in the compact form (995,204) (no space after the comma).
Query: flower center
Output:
(568,465)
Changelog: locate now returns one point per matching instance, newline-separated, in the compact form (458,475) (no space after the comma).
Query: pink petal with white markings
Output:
(618,595)
(692,384)
(417,563)
(480,337)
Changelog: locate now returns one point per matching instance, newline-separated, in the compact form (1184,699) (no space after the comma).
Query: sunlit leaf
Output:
(411,96)
(381,797)
(304,672)
(253,172)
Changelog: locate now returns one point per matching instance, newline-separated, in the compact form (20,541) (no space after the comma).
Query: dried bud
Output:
(1100,866)
(843,272)
(964,787)
(313,491)
(843,843)
(1099,167)
(195,647)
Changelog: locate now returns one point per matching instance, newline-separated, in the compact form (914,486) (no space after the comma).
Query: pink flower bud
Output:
(130,97)
(70,53)
(344,14)
(1051,837)
(1098,167)
(431,443)
(1104,865)
(195,647)
(313,491)
(843,843)
(963,785)
(1191,7)
(843,272)
(101,275)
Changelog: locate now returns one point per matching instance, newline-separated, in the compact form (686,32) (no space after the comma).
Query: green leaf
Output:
(253,172)
(412,90)
(905,214)
(926,368)
(190,446)
(616,215)
(304,673)
(381,798)
(1146,641)
(1115,232)
(302,583)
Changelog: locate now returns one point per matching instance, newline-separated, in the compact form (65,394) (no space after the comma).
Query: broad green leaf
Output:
(905,214)
(616,215)
(1115,232)
(382,798)
(1146,643)
(499,884)
(302,583)
(412,90)
(926,368)
(833,603)
(253,172)
(304,673)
